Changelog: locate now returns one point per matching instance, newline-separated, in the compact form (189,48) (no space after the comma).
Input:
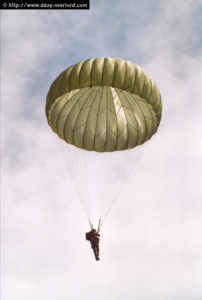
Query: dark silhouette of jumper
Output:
(93,237)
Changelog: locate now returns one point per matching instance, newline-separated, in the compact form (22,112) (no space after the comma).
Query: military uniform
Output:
(94,238)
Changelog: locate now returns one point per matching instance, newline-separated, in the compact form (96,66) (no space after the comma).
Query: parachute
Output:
(104,105)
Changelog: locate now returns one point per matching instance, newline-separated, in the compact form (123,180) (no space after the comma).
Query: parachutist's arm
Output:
(99,226)
(91,225)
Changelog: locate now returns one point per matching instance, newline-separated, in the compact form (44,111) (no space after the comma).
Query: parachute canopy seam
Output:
(96,124)
(76,103)
(89,114)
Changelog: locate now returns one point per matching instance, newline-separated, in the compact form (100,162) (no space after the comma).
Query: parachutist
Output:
(93,237)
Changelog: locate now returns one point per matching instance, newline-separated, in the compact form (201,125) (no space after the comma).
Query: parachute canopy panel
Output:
(104,104)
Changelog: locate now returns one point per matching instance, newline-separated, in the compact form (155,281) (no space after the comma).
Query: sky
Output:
(151,242)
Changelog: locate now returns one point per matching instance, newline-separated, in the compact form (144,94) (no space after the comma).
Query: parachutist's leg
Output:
(97,255)
(96,251)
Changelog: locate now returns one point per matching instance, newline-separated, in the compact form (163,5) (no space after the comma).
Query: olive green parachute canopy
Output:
(104,104)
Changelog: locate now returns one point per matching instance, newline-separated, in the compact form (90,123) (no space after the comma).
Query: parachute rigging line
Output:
(92,105)
(116,193)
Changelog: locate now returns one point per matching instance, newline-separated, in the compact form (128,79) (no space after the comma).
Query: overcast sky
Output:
(151,242)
